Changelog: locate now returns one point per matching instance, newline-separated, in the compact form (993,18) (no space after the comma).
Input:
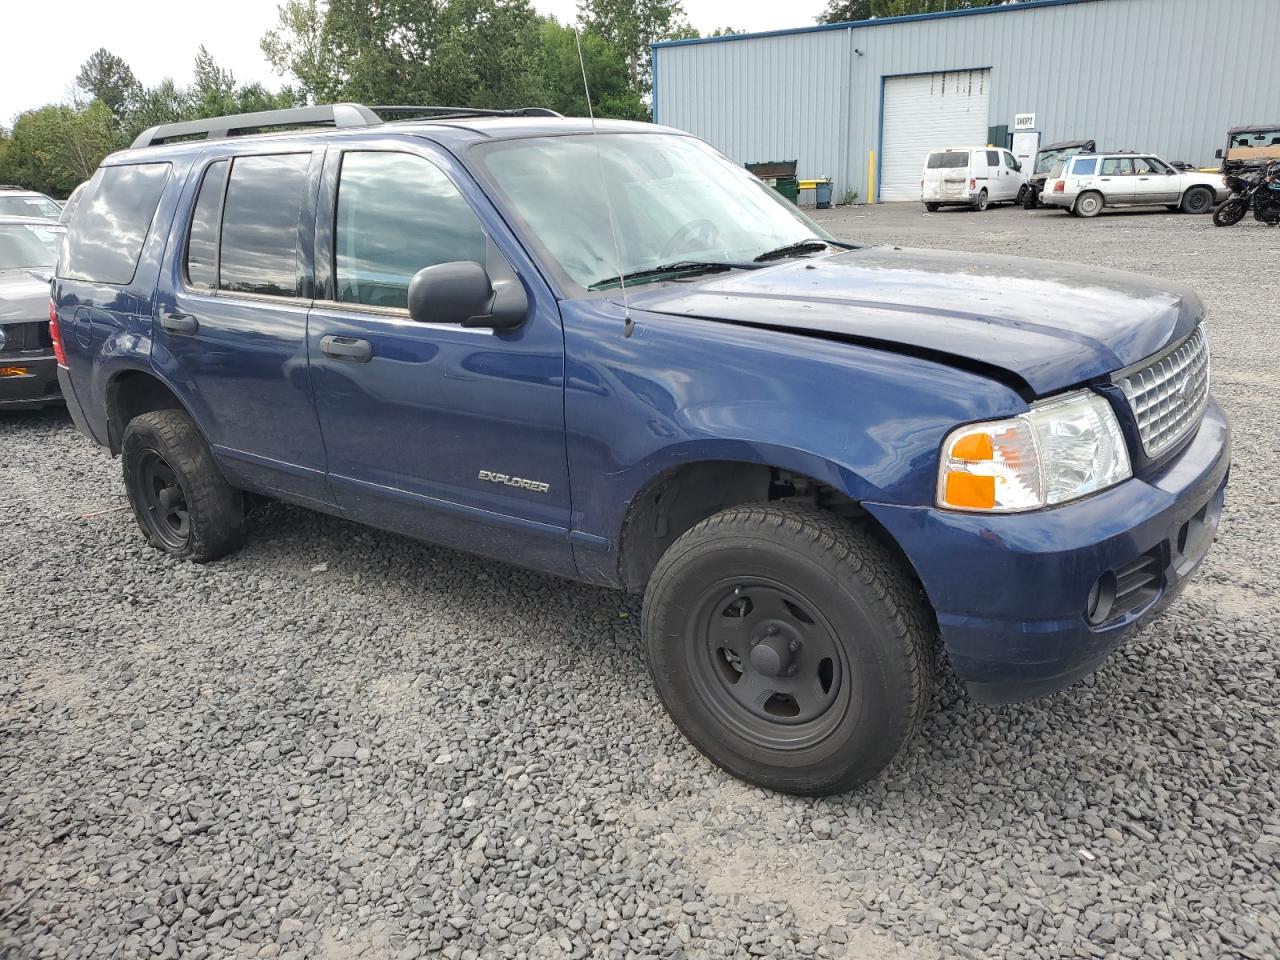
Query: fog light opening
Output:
(1102,597)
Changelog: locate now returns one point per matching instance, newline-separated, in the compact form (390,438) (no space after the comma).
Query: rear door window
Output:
(1084,166)
(259,248)
(951,159)
(1117,167)
(113,223)
(993,159)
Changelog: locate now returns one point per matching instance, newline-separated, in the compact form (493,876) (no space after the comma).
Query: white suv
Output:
(971,177)
(1086,183)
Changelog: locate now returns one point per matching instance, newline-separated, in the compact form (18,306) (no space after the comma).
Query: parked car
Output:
(811,458)
(1045,160)
(17,202)
(971,177)
(1086,183)
(1250,148)
(28,371)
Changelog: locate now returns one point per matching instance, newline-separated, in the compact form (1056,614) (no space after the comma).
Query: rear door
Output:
(451,434)
(946,176)
(1115,180)
(230,330)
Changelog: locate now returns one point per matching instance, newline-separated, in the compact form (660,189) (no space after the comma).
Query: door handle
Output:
(183,324)
(347,348)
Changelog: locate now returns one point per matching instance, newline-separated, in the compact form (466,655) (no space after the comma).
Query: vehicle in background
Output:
(1250,147)
(1045,160)
(73,201)
(1254,189)
(971,177)
(28,370)
(1085,184)
(17,202)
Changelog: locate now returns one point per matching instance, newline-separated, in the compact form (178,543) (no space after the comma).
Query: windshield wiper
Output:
(811,245)
(684,268)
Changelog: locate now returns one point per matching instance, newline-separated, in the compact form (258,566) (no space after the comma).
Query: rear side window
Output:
(993,158)
(397,213)
(949,160)
(202,240)
(112,224)
(1117,167)
(259,252)
(1084,167)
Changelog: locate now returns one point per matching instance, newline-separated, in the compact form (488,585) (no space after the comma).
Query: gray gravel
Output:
(340,743)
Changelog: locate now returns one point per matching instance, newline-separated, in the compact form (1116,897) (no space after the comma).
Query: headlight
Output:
(4,338)
(1057,451)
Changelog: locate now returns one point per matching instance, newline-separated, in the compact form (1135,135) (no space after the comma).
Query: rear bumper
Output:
(1051,199)
(1010,592)
(38,387)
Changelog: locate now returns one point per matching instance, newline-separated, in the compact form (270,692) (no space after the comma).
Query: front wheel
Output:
(180,499)
(1030,199)
(1230,212)
(1197,200)
(789,647)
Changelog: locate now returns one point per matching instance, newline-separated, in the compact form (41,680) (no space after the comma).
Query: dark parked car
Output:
(1046,158)
(28,371)
(610,353)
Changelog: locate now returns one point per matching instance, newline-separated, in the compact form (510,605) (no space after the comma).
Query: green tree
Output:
(839,11)
(612,94)
(57,147)
(629,26)
(107,78)
(300,47)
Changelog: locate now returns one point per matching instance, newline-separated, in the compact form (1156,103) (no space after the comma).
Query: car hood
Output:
(1044,324)
(24,294)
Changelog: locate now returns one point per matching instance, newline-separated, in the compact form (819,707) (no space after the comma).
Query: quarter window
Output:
(259,250)
(202,241)
(113,222)
(1084,167)
(396,214)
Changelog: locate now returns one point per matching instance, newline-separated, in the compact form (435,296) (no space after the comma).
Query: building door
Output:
(929,111)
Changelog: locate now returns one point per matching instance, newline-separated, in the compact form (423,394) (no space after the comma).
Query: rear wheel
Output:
(1088,204)
(981,203)
(1030,198)
(180,499)
(788,647)
(1197,200)
(931,207)
(1230,212)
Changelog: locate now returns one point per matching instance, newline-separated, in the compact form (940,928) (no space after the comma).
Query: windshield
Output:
(1256,138)
(672,199)
(29,245)
(29,205)
(948,161)
(1047,158)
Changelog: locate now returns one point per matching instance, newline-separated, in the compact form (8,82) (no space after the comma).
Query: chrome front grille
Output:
(1168,396)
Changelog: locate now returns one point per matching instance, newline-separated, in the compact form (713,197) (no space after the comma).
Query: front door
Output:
(1154,181)
(230,330)
(450,434)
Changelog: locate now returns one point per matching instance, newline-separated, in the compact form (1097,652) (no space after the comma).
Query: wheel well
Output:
(677,500)
(131,394)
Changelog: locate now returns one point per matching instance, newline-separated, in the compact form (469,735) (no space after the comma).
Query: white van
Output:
(971,177)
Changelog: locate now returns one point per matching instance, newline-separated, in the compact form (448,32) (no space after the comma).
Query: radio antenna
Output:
(608,202)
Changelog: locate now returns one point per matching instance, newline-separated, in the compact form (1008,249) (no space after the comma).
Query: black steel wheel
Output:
(180,499)
(789,647)
(1197,200)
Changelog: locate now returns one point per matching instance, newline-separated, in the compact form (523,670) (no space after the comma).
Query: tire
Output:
(759,578)
(981,203)
(1021,198)
(1197,200)
(1088,205)
(179,497)
(1030,199)
(1230,212)
(931,207)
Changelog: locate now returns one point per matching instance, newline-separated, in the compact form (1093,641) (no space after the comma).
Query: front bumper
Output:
(1010,592)
(38,387)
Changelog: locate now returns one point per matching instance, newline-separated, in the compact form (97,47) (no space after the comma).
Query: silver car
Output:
(1087,183)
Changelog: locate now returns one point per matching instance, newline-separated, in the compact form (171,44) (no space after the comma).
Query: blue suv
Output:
(608,353)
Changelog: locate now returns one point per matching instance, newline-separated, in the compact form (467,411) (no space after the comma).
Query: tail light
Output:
(973,183)
(1060,187)
(55,335)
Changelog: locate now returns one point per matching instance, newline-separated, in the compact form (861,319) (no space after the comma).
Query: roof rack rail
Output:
(328,115)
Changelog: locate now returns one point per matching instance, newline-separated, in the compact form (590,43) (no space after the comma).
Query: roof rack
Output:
(328,115)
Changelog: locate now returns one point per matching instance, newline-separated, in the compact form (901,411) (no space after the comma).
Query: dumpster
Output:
(779,174)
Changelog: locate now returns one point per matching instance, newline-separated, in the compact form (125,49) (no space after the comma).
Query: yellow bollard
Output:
(871,177)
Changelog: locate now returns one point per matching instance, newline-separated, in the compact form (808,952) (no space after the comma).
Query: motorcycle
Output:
(1261,192)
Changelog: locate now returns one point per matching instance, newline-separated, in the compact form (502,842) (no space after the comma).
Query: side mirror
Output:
(460,292)
(1217,155)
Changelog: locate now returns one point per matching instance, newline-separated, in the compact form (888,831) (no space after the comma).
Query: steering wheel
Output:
(703,234)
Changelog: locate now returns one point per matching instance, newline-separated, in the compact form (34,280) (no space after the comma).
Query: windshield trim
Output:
(562,285)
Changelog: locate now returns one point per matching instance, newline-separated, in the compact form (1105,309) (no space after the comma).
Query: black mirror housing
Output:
(1217,154)
(461,292)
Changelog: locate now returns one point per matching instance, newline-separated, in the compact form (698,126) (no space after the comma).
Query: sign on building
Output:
(1024,121)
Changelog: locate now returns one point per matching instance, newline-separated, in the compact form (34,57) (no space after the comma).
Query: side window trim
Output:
(185,261)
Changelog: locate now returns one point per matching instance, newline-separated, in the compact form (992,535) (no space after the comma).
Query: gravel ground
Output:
(340,743)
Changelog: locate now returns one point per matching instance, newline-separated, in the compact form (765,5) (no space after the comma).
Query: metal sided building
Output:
(864,102)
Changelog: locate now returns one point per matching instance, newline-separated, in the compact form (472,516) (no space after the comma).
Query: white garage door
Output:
(929,111)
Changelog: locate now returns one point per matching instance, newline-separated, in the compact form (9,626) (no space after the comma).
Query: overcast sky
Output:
(47,42)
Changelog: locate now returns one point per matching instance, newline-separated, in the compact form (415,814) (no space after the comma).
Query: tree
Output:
(300,47)
(629,26)
(57,147)
(839,11)
(612,94)
(107,78)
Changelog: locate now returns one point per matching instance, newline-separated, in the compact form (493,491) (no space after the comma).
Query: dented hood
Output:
(1047,324)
